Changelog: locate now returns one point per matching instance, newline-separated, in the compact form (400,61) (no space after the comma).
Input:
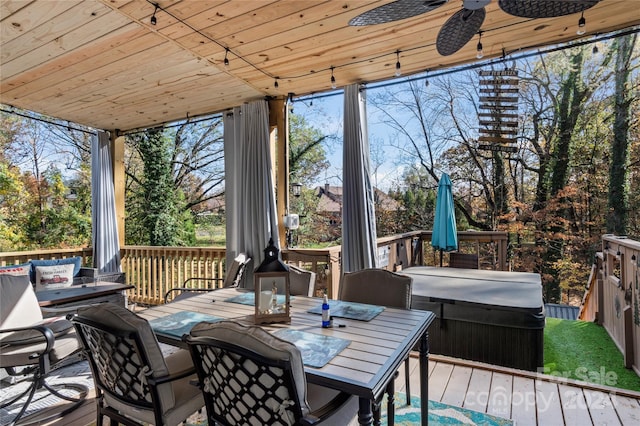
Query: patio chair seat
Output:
(135,382)
(32,347)
(249,376)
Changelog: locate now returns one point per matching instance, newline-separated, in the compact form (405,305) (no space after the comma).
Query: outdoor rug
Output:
(439,414)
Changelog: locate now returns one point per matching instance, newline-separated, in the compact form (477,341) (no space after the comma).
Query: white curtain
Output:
(250,200)
(359,249)
(106,246)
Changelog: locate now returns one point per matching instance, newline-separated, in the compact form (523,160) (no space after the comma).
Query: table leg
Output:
(424,378)
(365,415)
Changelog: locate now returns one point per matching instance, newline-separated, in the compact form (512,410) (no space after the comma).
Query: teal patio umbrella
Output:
(445,233)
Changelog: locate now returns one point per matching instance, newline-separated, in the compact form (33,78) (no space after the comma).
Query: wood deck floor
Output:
(528,398)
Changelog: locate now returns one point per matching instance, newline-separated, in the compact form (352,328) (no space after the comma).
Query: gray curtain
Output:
(250,200)
(359,249)
(106,246)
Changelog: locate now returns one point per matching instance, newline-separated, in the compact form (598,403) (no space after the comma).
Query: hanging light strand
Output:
(398,72)
(479,49)
(153,19)
(333,79)
(582,24)
(226,58)
(581,28)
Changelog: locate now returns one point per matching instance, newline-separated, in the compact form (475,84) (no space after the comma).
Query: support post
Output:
(278,122)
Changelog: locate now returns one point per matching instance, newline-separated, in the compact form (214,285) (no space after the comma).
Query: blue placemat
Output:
(250,297)
(180,323)
(350,310)
(316,349)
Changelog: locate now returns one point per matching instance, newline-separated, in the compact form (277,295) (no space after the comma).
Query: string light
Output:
(582,25)
(426,79)
(398,72)
(479,53)
(595,49)
(290,102)
(275,83)
(333,79)
(226,58)
(153,19)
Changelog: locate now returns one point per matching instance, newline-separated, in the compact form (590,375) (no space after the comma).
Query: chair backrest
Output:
(18,302)
(376,287)
(301,281)
(463,260)
(124,355)
(248,375)
(236,273)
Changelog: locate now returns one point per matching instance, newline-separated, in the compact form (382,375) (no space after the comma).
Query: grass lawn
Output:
(584,351)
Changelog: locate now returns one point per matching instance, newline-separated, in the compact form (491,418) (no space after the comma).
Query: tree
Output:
(158,206)
(307,160)
(618,173)
(180,168)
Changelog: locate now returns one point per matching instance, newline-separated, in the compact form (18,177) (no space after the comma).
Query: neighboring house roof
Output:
(567,312)
(330,200)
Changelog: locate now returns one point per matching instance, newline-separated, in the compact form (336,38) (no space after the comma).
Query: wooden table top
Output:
(377,348)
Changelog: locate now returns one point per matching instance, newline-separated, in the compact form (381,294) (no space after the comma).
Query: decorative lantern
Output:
(272,288)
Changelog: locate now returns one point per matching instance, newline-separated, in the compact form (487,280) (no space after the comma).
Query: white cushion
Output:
(18,303)
(55,276)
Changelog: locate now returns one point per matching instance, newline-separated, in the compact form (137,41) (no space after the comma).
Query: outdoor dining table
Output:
(373,352)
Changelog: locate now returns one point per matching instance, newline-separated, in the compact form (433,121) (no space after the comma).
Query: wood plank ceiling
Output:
(101,63)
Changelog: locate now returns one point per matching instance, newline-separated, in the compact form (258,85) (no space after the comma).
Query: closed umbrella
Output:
(445,233)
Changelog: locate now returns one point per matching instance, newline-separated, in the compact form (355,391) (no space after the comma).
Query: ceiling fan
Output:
(466,22)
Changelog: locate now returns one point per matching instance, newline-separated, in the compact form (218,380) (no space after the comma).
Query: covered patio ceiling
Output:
(103,64)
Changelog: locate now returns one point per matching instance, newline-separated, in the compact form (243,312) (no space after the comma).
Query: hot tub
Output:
(495,317)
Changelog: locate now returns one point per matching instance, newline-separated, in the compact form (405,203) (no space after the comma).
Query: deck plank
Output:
(523,401)
(574,406)
(438,380)
(548,405)
(601,408)
(456,390)
(628,409)
(499,403)
(478,390)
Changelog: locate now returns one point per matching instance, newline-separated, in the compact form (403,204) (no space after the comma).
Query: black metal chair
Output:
(249,376)
(384,288)
(135,383)
(235,277)
(33,347)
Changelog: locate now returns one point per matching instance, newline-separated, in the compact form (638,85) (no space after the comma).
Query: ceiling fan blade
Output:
(458,30)
(545,8)
(395,11)
(474,4)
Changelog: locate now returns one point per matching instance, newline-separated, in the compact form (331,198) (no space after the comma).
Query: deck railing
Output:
(618,295)
(154,270)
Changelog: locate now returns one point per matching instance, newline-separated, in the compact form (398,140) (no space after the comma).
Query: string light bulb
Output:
(226,58)
(333,79)
(595,49)
(582,25)
(275,83)
(398,72)
(479,51)
(290,102)
(426,79)
(153,19)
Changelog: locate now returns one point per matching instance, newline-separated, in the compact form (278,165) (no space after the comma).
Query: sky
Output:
(326,114)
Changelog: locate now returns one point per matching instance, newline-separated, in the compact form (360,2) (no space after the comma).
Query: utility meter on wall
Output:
(292,221)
